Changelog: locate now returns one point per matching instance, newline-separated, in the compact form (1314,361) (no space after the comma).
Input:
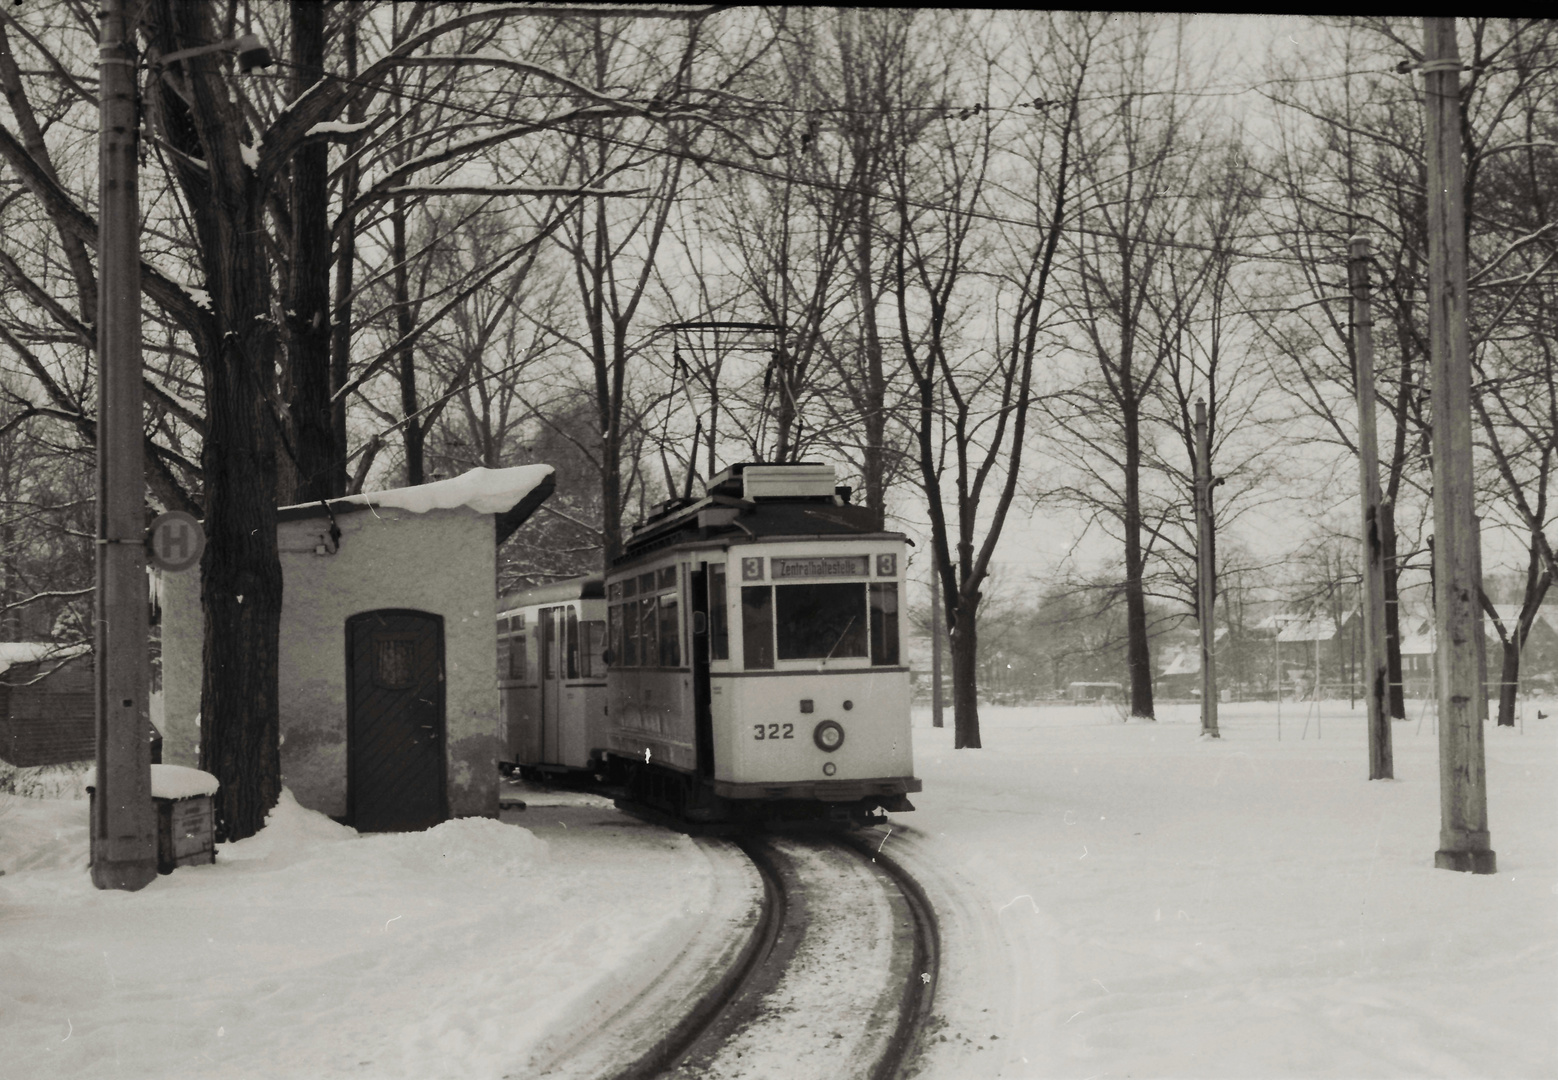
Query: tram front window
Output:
(817,622)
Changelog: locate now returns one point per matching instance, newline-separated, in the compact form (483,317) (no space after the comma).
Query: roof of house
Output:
(28,652)
(1308,628)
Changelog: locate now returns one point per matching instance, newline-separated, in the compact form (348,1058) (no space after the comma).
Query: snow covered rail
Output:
(838,981)
(921,960)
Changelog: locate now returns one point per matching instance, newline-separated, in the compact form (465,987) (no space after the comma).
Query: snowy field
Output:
(1239,908)
(1122,900)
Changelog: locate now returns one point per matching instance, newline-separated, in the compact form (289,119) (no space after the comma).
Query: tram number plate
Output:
(764,732)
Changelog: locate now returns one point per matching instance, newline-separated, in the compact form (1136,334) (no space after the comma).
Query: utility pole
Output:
(1376,672)
(1481,624)
(1206,576)
(1463,802)
(936,717)
(124,830)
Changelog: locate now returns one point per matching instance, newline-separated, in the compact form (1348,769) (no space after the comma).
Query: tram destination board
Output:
(822,566)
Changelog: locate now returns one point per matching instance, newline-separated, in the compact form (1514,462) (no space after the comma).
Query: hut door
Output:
(551,684)
(395,733)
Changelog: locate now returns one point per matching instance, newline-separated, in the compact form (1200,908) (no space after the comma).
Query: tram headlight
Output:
(828,736)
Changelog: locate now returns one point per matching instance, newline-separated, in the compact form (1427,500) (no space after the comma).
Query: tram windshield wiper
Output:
(842,634)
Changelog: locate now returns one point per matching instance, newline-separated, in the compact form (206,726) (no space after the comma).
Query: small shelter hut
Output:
(388,682)
(47,704)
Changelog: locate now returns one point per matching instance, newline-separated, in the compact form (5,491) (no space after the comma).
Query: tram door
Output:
(703,715)
(551,684)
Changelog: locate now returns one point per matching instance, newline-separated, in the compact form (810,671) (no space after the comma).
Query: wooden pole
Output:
(937,717)
(1376,672)
(1206,579)
(124,828)
(1463,804)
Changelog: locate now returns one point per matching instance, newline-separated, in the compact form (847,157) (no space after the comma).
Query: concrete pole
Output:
(1463,804)
(1481,624)
(1376,671)
(1206,576)
(124,829)
(937,718)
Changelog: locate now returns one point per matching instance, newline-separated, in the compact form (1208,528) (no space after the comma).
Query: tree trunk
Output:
(611,494)
(240,570)
(411,430)
(873,467)
(1509,681)
(1138,657)
(308,294)
(1387,532)
(346,260)
(241,583)
(965,675)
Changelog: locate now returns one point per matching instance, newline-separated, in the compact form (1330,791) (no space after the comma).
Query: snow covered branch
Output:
(509,189)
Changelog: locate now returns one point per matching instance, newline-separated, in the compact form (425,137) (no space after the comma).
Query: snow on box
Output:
(173,782)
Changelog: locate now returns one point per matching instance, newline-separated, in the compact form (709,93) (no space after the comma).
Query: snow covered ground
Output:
(1120,900)
(1166,906)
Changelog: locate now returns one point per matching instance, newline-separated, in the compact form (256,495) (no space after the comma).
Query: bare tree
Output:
(1357,162)
(972,398)
(1135,149)
(1202,312)
(225,149)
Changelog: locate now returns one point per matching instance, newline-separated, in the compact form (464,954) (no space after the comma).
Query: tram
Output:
(552,678)
(754,665)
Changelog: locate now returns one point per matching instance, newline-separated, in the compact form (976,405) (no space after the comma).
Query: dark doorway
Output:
(702,701)
(395,725)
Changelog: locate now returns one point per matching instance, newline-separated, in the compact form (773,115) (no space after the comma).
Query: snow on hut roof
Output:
(27,652)
(511,494)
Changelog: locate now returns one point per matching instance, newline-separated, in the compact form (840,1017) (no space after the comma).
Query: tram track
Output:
(836,979)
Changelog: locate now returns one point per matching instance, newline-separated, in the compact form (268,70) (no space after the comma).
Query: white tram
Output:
(754,664)
(552,678)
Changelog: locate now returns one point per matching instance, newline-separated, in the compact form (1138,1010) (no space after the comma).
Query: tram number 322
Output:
(772,731)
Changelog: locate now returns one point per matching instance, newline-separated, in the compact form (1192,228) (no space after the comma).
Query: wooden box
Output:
(186,832)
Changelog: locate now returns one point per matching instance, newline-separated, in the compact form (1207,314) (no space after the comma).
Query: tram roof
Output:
(588,587)
(745,520)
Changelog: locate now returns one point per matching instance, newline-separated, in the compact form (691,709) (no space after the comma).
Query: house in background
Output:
(47,704)
(1538,659)
(388,681)
(1539,655)
(1179,662)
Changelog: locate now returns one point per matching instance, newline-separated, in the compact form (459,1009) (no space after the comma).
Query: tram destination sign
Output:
(822,566)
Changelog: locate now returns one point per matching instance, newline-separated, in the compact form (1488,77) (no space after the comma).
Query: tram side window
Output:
(823,621)
(670,635)
(614,632)
(719,621)
(515,661)
(757,626)
(649,644)
(573,643)
(594,639)
(630,634)
(549,643)
(884,622)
